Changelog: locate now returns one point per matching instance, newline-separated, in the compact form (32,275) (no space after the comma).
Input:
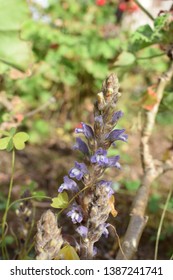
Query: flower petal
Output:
(81,146)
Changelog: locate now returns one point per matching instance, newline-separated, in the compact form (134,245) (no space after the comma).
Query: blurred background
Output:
(74,45)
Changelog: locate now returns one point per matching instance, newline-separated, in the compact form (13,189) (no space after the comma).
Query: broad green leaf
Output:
(14,51)
(68,253)
(12,14)
(124,59)
(4,142)
(61,201)
(19,140)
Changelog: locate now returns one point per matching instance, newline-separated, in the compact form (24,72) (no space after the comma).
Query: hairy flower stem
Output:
(4,219)
(96,201)
(87,250)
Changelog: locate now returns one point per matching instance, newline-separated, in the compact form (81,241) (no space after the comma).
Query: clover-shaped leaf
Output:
(61,201)
(19,140)
(13,140)
(4,142)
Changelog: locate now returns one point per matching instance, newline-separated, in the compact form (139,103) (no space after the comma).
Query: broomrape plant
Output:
(84,195)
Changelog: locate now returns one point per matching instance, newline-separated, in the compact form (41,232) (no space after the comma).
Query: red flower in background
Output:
(100,2)
(128,6)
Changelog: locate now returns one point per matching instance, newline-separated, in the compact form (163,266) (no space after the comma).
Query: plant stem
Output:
(161,223)
(144,10)
(27,198)
(4,219)
(71,200)
(150,57)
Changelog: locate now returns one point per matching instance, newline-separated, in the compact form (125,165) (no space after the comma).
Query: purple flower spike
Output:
(117,134)
(86,130)
(78,171)
(81,146)
(107,185)
(116,116)
(113,162)
(75,214)
(100,157)
(68,184)
(83,231)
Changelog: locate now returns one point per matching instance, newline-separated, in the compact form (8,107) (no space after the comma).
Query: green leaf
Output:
(132,185)
(61,201)
(4,143)
(3,132)
(153,205)
(19,140)
(12,14)
(14,51)
(12,131)
(160,21)
(10,145)
(141,38)
(68,253)
(124,59)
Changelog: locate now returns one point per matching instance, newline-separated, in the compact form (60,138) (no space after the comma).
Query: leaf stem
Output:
(4,219)
(144,10)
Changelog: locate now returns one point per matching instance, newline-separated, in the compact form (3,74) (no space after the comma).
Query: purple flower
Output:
(99,120)
(100,157)
(68,184)
(107,185)
(78,171)
(95,251)
(104,229)
(83,231)
(81,146)
(113,162)
(116,116)
(86,130)
(117,134)
(75,214)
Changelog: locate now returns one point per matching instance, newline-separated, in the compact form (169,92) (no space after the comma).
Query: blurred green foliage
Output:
(76,44)
(13,50)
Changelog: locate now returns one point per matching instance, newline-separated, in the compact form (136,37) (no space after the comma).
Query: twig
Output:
(41,108)
(138,219)
(144,10)
(161,223)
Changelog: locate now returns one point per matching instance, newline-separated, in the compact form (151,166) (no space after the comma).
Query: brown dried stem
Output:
(151,170)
